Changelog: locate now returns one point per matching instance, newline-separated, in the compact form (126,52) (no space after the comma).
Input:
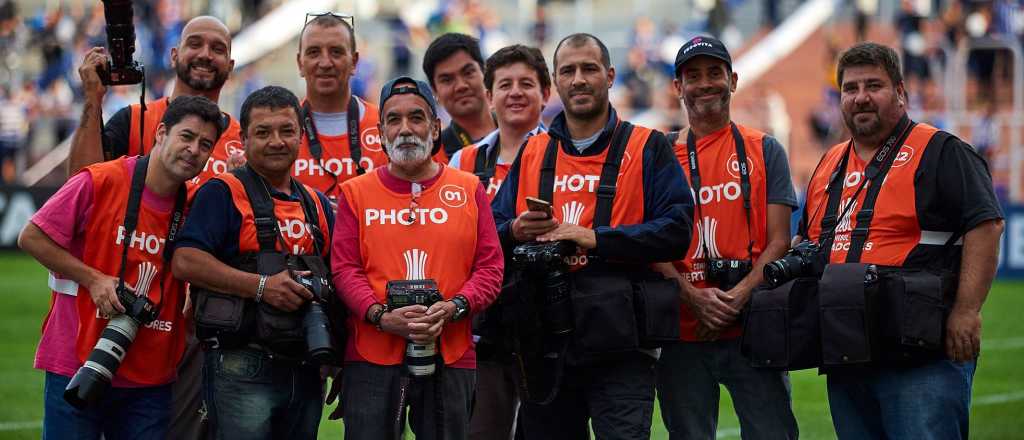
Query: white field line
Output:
(20,426)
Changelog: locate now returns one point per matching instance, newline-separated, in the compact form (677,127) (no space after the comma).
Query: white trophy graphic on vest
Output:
(707,230)
(572,212)
(147,273)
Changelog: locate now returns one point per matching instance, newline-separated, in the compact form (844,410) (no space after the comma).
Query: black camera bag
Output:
(781,328)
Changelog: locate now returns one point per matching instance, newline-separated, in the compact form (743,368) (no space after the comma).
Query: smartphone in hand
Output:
(535,204)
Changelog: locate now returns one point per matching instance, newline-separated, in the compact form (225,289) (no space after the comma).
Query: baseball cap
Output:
(698,46)
(403,85)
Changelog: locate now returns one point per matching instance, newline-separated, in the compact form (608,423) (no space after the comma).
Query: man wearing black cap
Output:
(744,201)
(421,354)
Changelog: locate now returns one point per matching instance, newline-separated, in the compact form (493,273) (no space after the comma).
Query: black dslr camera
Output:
(804,260)
(418,358)
(546,261)
(726,274)
(316,321)
(93,378)
(122,69)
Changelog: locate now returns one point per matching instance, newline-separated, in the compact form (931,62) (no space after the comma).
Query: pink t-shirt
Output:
(63,218)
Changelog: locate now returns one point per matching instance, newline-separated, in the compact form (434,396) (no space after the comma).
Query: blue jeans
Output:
(251,395)
(121,413)
(371,394)
(689,374)
(931,401)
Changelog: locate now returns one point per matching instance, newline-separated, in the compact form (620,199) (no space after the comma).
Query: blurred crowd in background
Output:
(42,42)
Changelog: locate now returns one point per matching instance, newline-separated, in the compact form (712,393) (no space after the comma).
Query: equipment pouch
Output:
(604,313)
(914,305)
(227,318)
(846,314)
(781,330)
(279,331)
(656,299)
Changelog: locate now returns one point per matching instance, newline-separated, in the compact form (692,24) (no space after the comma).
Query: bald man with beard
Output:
(202,63)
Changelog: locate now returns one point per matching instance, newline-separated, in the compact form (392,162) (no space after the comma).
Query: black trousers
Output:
(616,397)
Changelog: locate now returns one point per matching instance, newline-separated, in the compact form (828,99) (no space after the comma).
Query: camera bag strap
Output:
(484,165)
(609,173)
(745,188)
(131,220)
(316,147)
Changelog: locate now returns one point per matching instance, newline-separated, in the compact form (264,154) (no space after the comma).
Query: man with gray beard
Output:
(413,225)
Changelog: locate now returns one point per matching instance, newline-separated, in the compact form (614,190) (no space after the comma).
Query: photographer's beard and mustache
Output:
(408,151)
(215,83)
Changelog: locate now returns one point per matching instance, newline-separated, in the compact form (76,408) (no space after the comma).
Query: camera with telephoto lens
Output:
(122,68)
(315,321)
(93,378)
(804,260)
(419,358)
(726,274)
(547,262)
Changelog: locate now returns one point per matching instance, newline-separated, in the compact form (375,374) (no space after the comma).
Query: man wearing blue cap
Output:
(414,229)
(744,200)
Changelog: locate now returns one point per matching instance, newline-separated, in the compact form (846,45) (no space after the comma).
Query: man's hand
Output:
(447,307)
(103,291)
(397,321)
(710,308)
(427,328)
(583,237)
(284,293)
(963,334)
(236,159)
(704,333)
(335,392)
(530,224)
(95,60)
(737,297)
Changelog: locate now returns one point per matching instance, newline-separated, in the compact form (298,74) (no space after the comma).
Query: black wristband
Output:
(376,316)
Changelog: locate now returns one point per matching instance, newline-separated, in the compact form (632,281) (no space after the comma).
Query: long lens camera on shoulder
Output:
(545,261)
(316,320)
(419,358)
(726,274)
(93,378)
(123,69)
(804,260)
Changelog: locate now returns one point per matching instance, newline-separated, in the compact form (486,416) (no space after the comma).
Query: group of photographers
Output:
(548,282)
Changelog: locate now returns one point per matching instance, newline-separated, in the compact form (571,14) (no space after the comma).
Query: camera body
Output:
(545,261)
(316,321)
(122,68)
(93,378)
(726,274)
(804,260)
(419,358)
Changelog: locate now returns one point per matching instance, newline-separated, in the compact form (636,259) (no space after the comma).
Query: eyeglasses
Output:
(345,18)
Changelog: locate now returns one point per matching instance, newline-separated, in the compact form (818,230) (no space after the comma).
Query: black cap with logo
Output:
(707,46)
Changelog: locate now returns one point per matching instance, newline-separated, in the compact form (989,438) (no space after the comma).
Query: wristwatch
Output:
(461,307)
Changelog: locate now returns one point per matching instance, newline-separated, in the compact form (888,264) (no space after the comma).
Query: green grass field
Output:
(998,385)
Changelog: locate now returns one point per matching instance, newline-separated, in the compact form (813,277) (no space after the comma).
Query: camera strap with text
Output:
(874,173)
(316,148)
(609,173)
(131,221)
(268,232)
(741,160)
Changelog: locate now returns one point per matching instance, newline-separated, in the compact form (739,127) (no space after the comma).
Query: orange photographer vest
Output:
(229,142)
(335,164)
(291,220)
(895,229)
(575,189)
(153,357)
(722,228)
(473,162)
(438,242)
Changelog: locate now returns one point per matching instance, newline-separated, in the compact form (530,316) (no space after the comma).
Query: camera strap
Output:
(741,160)
(485,164)
(316,147)
(268,232)
(606,186)
(874,173)
(131,221)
